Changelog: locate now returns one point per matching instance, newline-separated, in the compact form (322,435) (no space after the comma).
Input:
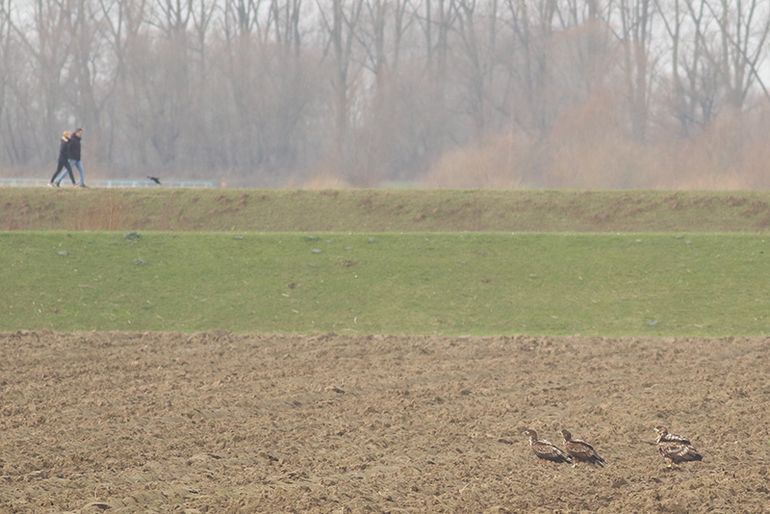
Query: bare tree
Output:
(5,48)
(744,27)
(47,41)
(123,20)
(85,28)
(173,16)
(636,24)
(340,26)
(275,91)
(202,19)
(480,53)
(532,24)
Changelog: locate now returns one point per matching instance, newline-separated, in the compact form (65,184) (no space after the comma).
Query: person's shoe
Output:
(50,184)
(83,185)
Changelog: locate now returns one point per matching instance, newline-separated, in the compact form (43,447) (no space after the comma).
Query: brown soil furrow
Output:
(227,423)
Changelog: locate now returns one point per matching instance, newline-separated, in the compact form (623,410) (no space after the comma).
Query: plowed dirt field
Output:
(215,422)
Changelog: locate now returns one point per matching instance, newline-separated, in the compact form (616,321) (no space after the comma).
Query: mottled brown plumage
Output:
(580,450)
(675,448)
(676,453)
(665,437)
(544,449)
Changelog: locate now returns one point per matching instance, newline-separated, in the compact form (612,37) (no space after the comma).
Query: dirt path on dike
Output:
(217,422)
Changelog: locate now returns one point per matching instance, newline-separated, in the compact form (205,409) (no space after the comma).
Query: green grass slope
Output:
(467,283)
(382,210)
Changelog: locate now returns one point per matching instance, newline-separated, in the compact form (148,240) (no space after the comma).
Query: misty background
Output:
(435,93)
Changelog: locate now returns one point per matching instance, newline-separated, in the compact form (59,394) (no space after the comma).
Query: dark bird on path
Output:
(545,450)
(665,437)
(581,450)
(154,179)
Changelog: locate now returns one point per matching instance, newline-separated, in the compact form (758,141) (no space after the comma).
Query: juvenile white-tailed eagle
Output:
(675,448)
(581,450)
(676,453)
(545,450)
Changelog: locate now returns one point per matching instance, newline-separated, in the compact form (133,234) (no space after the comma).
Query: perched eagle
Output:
(545,450)
(581,450)
(665,437)
(675,448)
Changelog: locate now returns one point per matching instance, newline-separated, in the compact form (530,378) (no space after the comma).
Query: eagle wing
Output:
(546,450)
(678,452)
(583,451)
(673,438)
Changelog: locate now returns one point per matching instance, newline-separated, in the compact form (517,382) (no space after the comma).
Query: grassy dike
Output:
(413,283)
(382,210)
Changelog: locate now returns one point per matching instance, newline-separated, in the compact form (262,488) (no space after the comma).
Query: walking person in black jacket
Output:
(63,162)
(73,152)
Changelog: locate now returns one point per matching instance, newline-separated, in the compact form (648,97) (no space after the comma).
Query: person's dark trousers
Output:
(63,164)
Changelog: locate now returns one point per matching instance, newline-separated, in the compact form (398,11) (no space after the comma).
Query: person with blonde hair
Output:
(63,161)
